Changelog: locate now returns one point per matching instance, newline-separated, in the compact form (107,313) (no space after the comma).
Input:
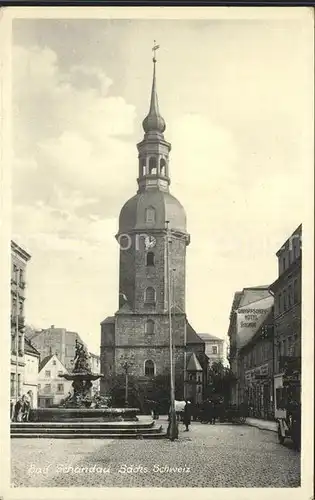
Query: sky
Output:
(235,95)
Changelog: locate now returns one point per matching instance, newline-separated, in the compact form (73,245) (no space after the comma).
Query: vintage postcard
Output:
(157,252)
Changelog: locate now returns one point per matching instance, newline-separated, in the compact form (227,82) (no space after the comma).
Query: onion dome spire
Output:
(154,121)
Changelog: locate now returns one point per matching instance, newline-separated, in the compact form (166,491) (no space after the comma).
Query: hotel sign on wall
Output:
(259,373)
(250,318)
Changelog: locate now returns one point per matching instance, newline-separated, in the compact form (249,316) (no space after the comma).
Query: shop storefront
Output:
(259,392)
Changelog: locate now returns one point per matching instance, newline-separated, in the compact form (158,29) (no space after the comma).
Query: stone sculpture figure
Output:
(81,359)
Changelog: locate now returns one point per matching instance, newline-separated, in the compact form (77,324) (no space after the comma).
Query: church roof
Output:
(191,336)
(109,319)
(193,364)
(154,122)
(166,206)
(125,308)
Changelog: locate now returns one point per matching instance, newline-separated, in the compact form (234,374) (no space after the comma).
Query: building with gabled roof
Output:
(240,330)
(52,389)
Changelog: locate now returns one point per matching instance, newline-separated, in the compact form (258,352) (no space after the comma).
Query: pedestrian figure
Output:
(187,415)
(213,412)
(27,406)
(17,417)
(208,411)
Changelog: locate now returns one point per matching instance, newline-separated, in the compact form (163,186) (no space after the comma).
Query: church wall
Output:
(107,354)
(130,330)
(136,357)
(127,269)
(150,276)
(178,262)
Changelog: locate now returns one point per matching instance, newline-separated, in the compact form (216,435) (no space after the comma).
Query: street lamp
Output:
(126,368)
(172,430)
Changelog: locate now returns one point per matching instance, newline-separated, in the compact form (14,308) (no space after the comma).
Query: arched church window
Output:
(152,166)
(150,295)
(150,259)
(149,368)
(150,215)
(149,326)
(163,166)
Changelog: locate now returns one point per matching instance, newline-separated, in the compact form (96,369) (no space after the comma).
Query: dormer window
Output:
(150,215)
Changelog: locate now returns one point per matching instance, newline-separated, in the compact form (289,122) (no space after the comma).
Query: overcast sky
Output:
(236,97)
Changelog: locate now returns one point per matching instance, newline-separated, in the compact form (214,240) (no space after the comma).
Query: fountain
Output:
(77,407)
(77,418)
(82,378)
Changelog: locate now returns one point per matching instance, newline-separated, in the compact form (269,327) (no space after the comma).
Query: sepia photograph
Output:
(161,188)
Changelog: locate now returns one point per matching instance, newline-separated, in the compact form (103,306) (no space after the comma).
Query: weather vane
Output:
(155,48)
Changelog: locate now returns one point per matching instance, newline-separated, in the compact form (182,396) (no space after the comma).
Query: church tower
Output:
(152,239)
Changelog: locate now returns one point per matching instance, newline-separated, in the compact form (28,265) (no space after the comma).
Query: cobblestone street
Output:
(206,456)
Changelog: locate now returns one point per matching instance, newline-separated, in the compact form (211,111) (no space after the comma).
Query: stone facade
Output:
(19,260)
(288,303)
(256,372)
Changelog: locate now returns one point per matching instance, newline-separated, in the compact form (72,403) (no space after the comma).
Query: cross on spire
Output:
(155,48)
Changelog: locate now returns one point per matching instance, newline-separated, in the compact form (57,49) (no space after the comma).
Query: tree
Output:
(117,392)
(219,381)
(143,391)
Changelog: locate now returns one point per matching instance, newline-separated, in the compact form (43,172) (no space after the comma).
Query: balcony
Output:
(22,284)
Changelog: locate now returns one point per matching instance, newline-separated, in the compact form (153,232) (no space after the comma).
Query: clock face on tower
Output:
(149,242)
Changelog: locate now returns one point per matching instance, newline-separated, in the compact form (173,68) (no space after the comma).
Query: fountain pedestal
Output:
(82,384)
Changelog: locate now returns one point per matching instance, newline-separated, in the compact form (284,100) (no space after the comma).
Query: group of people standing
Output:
(20,411)
(209,411)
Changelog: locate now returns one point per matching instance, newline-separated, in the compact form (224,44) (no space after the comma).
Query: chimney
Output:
(52,326)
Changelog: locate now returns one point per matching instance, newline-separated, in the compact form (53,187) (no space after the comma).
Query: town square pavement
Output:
(220,455)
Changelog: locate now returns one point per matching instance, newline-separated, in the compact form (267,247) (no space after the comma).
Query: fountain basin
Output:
(81,376)
(84,414)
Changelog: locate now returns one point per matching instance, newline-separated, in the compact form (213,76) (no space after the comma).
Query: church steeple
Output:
(154,121)
(153,150)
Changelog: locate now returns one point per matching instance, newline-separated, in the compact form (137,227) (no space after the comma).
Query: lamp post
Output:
(172,430)
(126,367)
